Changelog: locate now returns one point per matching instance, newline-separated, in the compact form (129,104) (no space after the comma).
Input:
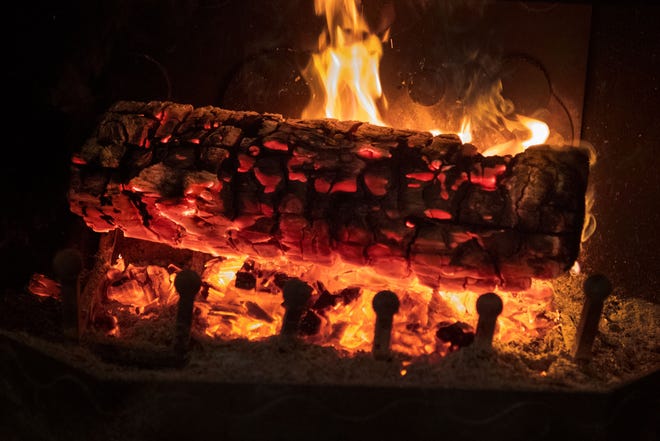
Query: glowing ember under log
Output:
(403,202)
(339,312)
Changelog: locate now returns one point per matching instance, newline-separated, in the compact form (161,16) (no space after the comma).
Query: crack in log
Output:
(140,206)
(519,200)
(408,247)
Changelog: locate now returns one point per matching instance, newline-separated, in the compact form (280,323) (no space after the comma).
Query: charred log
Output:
(228,182)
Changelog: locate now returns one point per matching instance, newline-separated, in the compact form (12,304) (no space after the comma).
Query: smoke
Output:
(590,223)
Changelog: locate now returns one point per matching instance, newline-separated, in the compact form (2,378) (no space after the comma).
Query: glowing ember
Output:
(339,314)
(42,286)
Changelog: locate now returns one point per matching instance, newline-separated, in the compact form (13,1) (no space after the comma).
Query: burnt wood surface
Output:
(231,182)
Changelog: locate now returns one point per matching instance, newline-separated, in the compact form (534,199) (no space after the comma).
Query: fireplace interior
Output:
(193,246)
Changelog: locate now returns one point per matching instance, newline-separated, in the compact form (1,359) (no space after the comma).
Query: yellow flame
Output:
(345,82)
(539,131)
(344,74)
(466,131)
(535,132)
(465,134)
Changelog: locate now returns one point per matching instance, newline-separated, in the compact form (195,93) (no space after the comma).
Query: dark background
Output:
(68,61)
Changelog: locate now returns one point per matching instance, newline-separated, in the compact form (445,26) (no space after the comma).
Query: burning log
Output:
(404,202)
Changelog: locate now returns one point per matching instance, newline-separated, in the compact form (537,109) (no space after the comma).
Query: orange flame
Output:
(344,74)
(345,83)
(465,133)
(539,131)
(527,132)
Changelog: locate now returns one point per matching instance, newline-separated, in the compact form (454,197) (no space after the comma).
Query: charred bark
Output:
(228,182)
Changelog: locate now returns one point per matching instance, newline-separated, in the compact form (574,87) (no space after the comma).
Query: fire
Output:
(344,79)
(526,131)
(339,314)
(465,133)
(344,75)
(242,299)
(345,84)
(539,131)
